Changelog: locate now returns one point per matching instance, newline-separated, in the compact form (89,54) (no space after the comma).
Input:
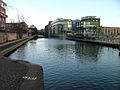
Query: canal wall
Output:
(7,36)
(104,43)
(18,74)
(8,48)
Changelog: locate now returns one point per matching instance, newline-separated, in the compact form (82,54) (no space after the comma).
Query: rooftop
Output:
(89,17)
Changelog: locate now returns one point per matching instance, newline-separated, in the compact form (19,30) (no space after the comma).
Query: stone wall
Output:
(7,36)
(11,36)
(3,37)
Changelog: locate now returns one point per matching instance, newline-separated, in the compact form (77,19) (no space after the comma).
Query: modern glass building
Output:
(90,25)
(60,26)
(76,26)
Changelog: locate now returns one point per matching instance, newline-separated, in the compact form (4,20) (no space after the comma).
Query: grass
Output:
(11,44)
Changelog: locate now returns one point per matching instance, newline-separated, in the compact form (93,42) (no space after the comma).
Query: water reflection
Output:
(70,65)
(84,52)
(25,50)
(87,52)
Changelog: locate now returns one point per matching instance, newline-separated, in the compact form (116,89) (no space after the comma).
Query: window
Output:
(3,19)
(88,23)
(68,22)
(84,23)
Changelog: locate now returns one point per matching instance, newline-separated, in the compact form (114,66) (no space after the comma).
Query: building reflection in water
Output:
(82,52)
(87,52)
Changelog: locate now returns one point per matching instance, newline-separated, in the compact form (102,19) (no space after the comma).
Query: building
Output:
(33,30)
(20,28)
(41,32)
(3,15)
(76,26)
(60,26)
(110,31)
(90,25)
(48,30)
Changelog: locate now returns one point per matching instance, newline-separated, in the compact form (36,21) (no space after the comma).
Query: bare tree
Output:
(12,20)
(19,25)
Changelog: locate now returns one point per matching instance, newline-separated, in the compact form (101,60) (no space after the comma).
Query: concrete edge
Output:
(11,49)
(103,43)
(33,80)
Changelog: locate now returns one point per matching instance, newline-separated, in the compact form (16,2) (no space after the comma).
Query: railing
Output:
(96,37)
(108,39)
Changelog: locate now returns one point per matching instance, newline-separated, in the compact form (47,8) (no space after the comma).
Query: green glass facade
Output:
(90,25)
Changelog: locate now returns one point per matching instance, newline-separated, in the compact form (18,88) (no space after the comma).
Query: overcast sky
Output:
(40,12)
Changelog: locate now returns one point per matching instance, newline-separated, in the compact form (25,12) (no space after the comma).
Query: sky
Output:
(40,12)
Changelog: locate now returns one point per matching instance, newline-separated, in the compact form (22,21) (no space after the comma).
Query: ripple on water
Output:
(70,65)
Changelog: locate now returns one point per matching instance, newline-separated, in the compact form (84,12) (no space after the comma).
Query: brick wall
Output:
(3,37)
(7,36)
(11,36)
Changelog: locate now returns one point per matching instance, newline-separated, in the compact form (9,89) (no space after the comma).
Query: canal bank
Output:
(7,48)
(104,43)
(18,74)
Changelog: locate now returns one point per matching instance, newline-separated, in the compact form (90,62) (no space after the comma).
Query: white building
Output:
(60,26)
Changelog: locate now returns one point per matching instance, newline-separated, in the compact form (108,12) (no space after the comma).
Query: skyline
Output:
(40,12)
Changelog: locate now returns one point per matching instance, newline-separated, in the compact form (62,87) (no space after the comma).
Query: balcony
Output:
(3,12)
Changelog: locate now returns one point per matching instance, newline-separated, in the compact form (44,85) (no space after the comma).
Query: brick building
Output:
(20,28)
(111,31)
(3,15)
(10,31)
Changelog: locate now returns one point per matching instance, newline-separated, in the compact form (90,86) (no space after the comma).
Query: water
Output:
(70,65)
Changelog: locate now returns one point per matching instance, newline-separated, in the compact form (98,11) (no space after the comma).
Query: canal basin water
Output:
(70,65)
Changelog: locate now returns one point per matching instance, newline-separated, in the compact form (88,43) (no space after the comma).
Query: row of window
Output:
(2,10)
(69,23)
(111,31)
(88,22)
(2,19)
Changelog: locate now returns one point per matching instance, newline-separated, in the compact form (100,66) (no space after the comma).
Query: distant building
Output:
(48,30)
(41,32)
(33,29)
(60,26)
(20,28)
(76,26)
(14,26)
(90,25)
(3,15)
(110,31)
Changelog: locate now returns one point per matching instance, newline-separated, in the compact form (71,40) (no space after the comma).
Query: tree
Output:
(34,30)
